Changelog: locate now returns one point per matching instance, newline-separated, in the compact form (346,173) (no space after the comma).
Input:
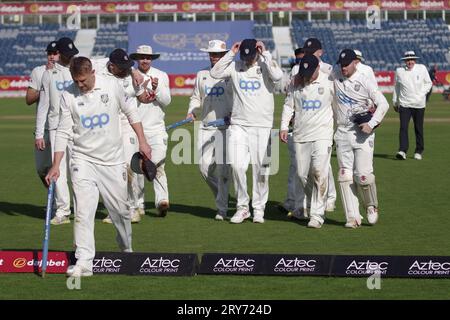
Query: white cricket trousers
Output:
(90,180)
(62,193)
(43,158)
(313,162)
(135,181)
(211,145)
(354,151)
(250,145)
(295,195)
(158,143)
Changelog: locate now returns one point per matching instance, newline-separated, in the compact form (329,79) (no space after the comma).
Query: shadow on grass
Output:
(25,209)
(272,211)
(384,156)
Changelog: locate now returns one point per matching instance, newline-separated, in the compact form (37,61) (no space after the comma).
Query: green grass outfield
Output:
(414,220)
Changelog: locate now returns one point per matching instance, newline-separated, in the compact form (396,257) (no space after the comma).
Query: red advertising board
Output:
(13,83)
(385,78)
(182,81)
(111,7)
(31,261)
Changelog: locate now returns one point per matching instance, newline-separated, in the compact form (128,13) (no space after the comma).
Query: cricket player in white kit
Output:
(314,46)
(54,83)
(212,100)
(152,114)
(90,115)
(355,98)
(43,158)
(310,96)
(295,200)
(119,67)
(253,81)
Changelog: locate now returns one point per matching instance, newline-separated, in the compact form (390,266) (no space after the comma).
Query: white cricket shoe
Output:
(314,223)
(258,216)
(220,216)
(57,220)
(78,271)
(240,216)
(353,224)
(107,220)
(372,215)
(401,155)
(135,216)
(141,211)
(417,156)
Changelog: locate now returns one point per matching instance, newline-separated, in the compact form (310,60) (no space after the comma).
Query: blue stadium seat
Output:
(382,49)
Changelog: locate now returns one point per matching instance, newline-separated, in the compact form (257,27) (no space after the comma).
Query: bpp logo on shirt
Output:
(97,120)
(63,85)
(214,91)
(311,104)
(249,85)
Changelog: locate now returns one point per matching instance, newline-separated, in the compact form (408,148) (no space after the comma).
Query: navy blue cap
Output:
(308,65)
(52,46)
(141,165)
(121,59)
(247,49)
(66,47)
(299,51)
(311,45)
(346,57)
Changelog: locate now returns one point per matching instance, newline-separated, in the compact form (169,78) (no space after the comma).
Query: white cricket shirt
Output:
(313,110)
(211,98)
(253,87)
(411,86)
(54,82)
(357,94)
(92,120)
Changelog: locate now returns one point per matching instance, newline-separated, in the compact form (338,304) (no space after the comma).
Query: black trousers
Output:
(417,115)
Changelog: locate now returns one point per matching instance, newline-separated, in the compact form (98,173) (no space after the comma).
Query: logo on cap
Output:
(309,43)
(343,55)
(126,58)
(247,51)
(53,44)
(70,46)
(305,65)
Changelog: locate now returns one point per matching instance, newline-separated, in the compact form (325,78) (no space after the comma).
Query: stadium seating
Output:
(382,48)
(110,37)
(262,30)
(24,47)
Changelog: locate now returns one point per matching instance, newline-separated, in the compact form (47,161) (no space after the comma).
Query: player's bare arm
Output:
(31,96)
(53,173)
(284,136)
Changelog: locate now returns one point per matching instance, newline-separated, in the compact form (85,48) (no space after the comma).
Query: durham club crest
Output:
(104,98)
